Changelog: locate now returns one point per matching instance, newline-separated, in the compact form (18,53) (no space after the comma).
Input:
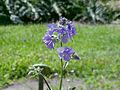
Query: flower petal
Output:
(67,57)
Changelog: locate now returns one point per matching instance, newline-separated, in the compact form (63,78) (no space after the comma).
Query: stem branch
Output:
(41,78)
(61,79)
(46,81)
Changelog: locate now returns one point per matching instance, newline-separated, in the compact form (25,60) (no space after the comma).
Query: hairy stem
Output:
(61,79)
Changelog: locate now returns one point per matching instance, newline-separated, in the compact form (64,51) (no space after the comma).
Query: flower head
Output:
(65,53)
(49,41)
(51,28)
(67,30)
(64,31)
(63,20)
(71,29)
(52,25)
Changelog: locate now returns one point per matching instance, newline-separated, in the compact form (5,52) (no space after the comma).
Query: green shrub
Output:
(3,8)
(4,18)
(94,11)
(88,11)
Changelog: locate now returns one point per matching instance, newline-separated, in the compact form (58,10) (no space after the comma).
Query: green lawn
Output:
(97,45)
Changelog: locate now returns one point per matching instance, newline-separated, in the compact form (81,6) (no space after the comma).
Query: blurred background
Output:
(36,11)
(23,24)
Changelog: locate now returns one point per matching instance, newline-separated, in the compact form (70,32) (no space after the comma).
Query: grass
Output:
(99,47)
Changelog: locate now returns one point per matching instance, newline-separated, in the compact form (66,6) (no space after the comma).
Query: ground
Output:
(68,83)
(31,84)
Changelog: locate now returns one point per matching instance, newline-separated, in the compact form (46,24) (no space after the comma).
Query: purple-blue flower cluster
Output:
(62,31)
(67,53)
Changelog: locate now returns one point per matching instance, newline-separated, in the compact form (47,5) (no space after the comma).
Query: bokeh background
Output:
(23,23)
(36,11)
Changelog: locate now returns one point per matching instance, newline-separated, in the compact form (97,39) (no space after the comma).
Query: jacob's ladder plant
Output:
(61,32)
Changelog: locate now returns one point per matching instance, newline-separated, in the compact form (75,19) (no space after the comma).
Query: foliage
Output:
(52,9)
(3,9)
(4,14)
(21,46)
(91,11)
(4,18)
(21,10)
(94,11)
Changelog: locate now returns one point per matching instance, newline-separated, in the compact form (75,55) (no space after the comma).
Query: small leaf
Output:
(30,72)
(65,65)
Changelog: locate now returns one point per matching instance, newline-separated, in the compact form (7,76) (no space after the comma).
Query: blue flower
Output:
(61,30)
(62,34)
(64,38)
(71,29)
(64,31)
(65,53)
(52,25)
(51,28)
(49,41)
(63,20)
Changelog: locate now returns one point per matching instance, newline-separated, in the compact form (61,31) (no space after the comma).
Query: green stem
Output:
(61,44)
(61,79)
